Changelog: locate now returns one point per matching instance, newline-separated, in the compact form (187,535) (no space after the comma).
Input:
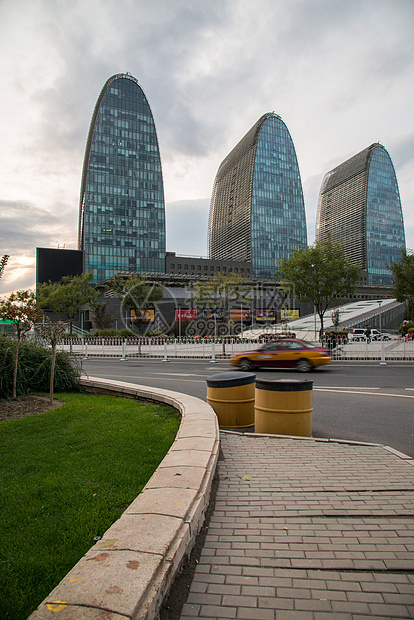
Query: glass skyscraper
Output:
(359,206)
(257,211)
(122,210)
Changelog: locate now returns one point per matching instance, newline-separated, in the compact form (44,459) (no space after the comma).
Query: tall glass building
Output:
(122,210)
(359,206)
(257,211)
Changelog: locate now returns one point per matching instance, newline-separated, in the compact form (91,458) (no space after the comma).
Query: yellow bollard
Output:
(232,397)
(284,407)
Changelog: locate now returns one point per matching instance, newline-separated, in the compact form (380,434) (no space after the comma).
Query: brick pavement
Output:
(307,529)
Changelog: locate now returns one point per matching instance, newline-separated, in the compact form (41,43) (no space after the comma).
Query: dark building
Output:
(122,210)
(359,206)
(54,263)
(257,211)
(194,266)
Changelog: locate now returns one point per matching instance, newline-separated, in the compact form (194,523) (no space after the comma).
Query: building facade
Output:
(257,211)
(359,206)
(122,210)
(198,266)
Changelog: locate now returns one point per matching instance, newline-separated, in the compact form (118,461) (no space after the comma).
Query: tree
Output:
(319,274)
(3,263)
(20,308)
(67,296)
(403,273)
(220,292)
(100,317)
(53,334)
(137,293)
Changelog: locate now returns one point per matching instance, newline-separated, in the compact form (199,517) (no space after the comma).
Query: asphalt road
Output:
(359,401)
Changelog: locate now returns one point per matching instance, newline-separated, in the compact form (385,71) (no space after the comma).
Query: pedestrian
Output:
(368,333)
(404,330)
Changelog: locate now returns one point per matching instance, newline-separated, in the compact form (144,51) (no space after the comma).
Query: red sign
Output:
(185,315)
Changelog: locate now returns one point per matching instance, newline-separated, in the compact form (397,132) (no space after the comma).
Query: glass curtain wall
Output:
(257,210)
(278,224)
(385,226)
(122,211)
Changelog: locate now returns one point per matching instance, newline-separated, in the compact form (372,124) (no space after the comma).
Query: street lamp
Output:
(382,362)
(379,303)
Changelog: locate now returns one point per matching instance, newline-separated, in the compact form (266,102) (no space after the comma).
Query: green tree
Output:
(53,334)
(3,263)
(137,293)
(403,273)
(318,274)
(67,296)
(20,308)
(100,317)
(221,292)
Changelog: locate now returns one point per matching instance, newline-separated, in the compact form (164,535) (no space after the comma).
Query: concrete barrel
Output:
(232,397)
(283,407)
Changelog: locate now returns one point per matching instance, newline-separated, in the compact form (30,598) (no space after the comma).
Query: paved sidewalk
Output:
(307,530)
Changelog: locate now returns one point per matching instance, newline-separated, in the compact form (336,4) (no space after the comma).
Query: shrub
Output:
(125,333)
(33,372)
(104,333)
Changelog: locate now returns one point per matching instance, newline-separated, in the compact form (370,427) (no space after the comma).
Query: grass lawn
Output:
(65,476)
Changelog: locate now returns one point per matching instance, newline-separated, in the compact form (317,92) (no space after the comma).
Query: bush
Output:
(33,371)
(104,333)
(125,333)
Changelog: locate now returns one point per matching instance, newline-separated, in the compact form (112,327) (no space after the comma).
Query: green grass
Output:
(65,477)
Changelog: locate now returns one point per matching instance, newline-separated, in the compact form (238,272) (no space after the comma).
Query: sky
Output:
(340,75)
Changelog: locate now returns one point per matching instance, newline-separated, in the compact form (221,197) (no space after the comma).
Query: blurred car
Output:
(283,353)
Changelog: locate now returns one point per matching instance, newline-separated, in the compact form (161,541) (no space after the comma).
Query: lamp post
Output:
(382,362)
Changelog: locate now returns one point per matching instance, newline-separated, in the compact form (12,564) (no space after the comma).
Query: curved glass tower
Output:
(359,206)
(257,211)
(122,211)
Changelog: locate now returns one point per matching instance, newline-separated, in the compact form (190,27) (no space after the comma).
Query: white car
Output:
(359,334)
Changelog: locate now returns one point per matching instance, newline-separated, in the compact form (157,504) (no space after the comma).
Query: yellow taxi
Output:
(283,353)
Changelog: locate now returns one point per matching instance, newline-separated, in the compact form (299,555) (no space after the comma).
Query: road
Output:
(359,401)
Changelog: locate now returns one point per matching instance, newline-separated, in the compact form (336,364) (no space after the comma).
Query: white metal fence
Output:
(386,350)
(393,350)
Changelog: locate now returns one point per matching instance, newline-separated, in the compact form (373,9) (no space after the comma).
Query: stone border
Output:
(128,573)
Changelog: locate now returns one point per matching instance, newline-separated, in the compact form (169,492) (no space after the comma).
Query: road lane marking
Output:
(317,389)
(364,393)
(342,387)
(148,378)
(179,374)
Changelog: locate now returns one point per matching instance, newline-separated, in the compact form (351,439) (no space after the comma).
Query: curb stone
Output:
(128,573)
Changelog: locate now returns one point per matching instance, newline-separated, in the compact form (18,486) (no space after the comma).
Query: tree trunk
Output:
(16,357)
(52,374)
(321,330)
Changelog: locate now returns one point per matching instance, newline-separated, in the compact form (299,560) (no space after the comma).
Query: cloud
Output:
(187,226)
(340,74)
(23,227)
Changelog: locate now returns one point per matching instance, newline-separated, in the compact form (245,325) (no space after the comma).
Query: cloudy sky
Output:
(340,74)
